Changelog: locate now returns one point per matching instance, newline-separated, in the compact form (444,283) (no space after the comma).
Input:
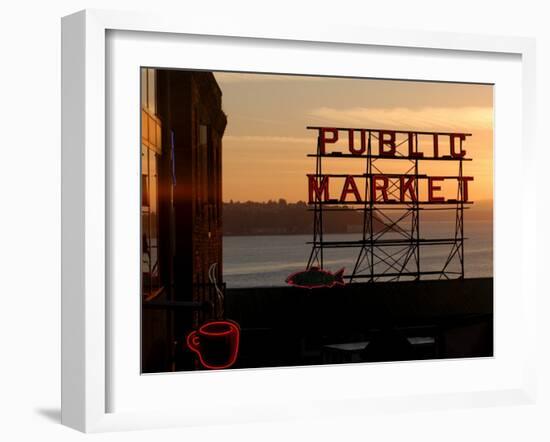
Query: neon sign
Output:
(216,343)
(383,145)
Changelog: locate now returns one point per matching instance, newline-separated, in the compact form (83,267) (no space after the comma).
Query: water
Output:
(266,261)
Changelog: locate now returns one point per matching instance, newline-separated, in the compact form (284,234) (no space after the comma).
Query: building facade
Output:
(182,129)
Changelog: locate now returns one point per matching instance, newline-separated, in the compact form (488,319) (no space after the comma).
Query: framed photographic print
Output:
(308,245)
(257,218)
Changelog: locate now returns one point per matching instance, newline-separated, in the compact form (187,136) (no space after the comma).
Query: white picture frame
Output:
(88,319)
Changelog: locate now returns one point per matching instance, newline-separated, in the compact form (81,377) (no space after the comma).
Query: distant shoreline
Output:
(279,218)
(336,233)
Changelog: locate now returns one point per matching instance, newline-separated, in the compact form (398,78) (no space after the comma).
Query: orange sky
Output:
(266,142)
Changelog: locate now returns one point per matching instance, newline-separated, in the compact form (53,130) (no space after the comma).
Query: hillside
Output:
(282,218)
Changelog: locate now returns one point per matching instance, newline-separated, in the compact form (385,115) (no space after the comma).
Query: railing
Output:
(206,301)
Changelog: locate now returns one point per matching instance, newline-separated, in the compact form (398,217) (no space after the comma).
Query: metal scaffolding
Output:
(392,242)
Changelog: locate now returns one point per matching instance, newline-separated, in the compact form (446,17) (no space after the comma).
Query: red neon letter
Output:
(383,141)
(432,188)
(321,192)
(383,188)
(412,152)
(455,154)
(323,140)
(407,185)
(350,187)
(436,146)
(352,149)
(464,182)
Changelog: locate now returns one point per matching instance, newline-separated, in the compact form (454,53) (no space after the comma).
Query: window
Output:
(148,90)
(203,165)
(150,154)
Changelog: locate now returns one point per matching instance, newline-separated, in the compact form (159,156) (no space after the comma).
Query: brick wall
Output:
(208,122)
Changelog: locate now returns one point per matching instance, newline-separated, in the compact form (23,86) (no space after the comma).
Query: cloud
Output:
(462,119)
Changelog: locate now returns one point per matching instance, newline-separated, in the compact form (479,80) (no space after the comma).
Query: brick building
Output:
(182,128)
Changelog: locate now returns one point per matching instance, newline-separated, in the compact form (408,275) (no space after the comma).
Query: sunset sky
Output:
(266,142)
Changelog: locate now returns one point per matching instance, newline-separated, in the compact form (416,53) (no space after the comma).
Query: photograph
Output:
(242,221)
(295,220)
